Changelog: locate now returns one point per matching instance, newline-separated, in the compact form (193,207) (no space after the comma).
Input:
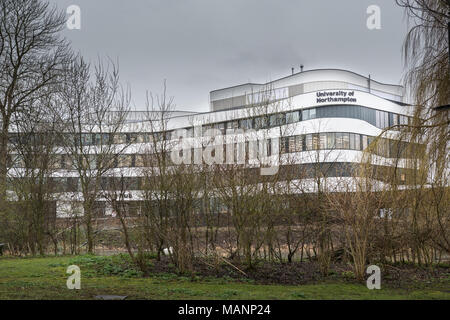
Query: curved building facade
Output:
(324,116)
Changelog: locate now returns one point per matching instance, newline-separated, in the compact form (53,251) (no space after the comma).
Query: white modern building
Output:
(327,115)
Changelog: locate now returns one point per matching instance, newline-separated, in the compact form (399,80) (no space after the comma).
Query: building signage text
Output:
(335,96)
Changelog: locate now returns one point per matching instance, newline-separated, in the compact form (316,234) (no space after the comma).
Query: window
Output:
(119,138)
(101,138)
(299,143)
(339,140)
(395,119)
(309,142)
(291,144)
(245,124)
(277,119)
(364,142)
(305,114)
(139,138)
(292,117)
(309,114)
(382,119)
(86,139)
(221,127)
(378,119)
(346,141)
(315,141)
(323,141)
(139,160)
(357,142)
(232,125)
(352,141)
(403,120)
(331,140)
(261,122)
(386,120)
(283,144)
(124,160)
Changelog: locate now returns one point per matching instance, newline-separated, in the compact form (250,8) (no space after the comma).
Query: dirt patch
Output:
(300,273)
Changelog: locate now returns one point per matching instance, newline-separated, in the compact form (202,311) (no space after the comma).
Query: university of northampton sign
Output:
(335,96)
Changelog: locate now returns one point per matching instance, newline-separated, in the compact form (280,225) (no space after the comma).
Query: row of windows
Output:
(291,144)
(322,141)
(344,140)
(72,184)
(325,169)
(380,119)
(89,139)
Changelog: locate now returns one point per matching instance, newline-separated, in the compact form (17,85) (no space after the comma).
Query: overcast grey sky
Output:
(203,45)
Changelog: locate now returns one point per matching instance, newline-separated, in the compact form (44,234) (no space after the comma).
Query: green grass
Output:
(45,278)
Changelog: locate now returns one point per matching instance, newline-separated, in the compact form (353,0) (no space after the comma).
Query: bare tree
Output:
(31,178)
(94,109)
(31,56)
(157,183)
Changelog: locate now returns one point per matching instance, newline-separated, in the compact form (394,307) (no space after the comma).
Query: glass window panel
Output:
(331,140)
(139,161)
(312,113)
(378,119)
(283,144)
(259,123)
(395,119)
(339,140)
(292,117)
(346,141)
(119,138)
(403,120)
(291,144)
(299,143)
(245,124)
(309,142)
(352,141)
(364,142)
(305,114)
(98,138)
(124,160)
(357,142)
(316,141)
(273,120)
(86,138)
(281,119)
(323,141)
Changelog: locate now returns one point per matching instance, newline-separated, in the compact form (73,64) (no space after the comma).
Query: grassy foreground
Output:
(45,278)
